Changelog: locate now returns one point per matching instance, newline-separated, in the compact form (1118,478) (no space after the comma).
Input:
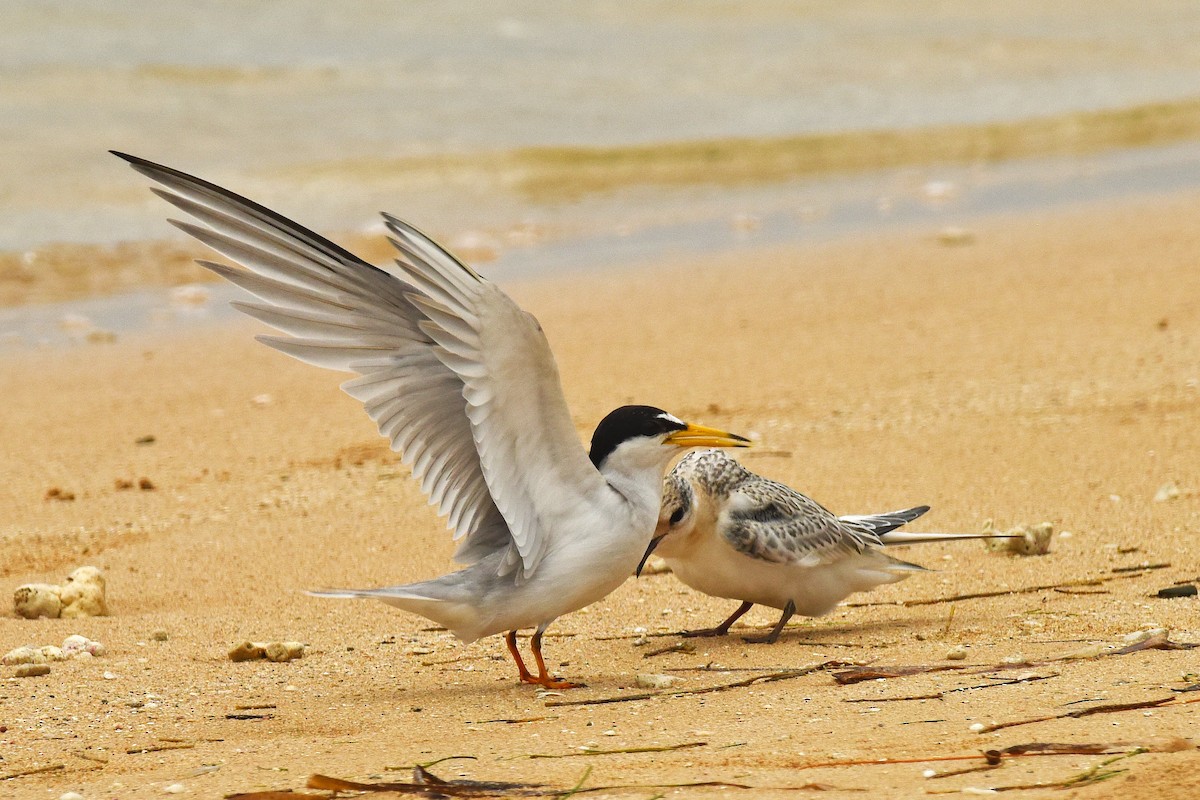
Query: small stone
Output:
(160,636)
(23,655)
(655,681)
(420,651)
(247,651)
(108,676)
(1023,540)
(1182,590)
(70,796)
(956,654)
(74,644)
(284,651)
(83,594)
(262,400)
(977,727)
(35,600)
(1015,658)
(929,773)
(1167,492)
(175,788)
(32,670)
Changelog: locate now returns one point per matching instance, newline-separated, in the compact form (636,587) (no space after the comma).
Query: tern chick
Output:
(463,383)
(728,532)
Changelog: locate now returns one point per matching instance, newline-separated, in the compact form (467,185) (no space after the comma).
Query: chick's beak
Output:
(700,436)
(649,549)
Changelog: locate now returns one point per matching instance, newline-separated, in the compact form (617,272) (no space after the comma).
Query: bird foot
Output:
(704,633)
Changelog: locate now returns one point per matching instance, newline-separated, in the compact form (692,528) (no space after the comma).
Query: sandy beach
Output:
(1046,370)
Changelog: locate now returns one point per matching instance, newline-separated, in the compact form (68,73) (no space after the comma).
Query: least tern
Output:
(728,532)
(463,383)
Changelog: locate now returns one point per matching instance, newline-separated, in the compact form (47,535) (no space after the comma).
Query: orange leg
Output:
(511,639)
(543,677)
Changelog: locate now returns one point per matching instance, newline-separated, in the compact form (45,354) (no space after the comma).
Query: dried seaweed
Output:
(8,776)
(425,783)
(1108,708)
(158,748)
(594,751)
(769,678)
(941,695)
(859,674)
(1117,572)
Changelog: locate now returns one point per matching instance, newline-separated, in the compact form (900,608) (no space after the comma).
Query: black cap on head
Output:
(629,422)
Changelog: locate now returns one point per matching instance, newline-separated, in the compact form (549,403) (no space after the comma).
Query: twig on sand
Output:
(940,695)
(158,748)
(593,751)
(1118,572)
(1108,708)
(21,773)
(769,678)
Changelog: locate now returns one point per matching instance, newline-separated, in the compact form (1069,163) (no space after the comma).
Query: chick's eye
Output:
(676,515)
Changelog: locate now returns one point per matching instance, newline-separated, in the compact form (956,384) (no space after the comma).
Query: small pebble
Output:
(1183,590)
(160,636)
(977,727)
(32,670)
(272,651)
(929,773)
(35,600)
(70,796)
(175,788)
(956,654)
(1166,493)
(655,681)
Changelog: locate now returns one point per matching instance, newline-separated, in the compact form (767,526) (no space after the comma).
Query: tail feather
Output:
(895,537)
(419,598)
(880,524)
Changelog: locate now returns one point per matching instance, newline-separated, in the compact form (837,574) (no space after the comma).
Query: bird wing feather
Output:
(771,522)
(453,372)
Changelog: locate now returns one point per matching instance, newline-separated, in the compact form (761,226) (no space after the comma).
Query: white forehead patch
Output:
(672,418)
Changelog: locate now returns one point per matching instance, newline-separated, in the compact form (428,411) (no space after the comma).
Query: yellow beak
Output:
(700,436)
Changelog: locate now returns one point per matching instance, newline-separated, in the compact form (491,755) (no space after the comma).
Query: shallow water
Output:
(253,94)
(650,226)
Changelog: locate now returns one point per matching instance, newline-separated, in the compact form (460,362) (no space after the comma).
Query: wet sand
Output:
(1047,370)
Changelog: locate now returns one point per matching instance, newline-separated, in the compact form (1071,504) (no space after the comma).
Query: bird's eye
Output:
(676,515)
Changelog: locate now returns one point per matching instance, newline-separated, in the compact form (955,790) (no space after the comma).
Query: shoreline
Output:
(631,228)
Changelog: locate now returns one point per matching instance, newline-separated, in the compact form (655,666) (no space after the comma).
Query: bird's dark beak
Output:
(700,436)
(649,549)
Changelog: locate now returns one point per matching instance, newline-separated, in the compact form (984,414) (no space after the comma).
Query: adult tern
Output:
(463,383)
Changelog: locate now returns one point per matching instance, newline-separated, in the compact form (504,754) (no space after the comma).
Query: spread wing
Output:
(772,522)
(454,373)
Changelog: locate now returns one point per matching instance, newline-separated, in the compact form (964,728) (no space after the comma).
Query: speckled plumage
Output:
(767,520)
(728,532)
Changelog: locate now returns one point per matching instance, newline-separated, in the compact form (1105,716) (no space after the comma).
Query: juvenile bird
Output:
(728,532)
